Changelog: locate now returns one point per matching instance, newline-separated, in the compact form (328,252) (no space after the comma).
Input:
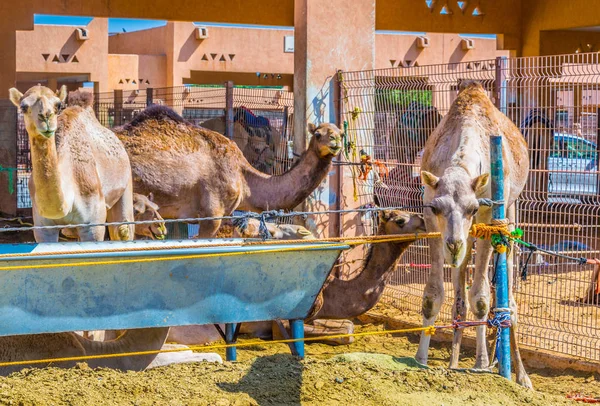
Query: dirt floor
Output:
(267,374)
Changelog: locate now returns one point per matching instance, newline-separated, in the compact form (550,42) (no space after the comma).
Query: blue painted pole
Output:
(297,327)
(499,213)
(230,352)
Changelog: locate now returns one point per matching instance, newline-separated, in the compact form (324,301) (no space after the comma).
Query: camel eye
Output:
(401,221)
(435,210)
(473,211)
(318,135)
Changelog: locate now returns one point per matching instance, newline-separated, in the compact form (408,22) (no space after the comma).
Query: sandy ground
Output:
(267,374)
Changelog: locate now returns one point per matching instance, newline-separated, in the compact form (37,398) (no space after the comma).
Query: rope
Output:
(497,322)
(269,213)
(351,241)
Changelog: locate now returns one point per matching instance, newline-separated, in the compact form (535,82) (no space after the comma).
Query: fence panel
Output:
(555,102)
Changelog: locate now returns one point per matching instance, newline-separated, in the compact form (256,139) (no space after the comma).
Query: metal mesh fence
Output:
(554,100)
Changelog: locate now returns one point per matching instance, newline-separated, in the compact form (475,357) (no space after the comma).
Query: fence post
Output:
(339,104)
(500,83)
(229,109)
(501,272)
(149,97)
(118,106)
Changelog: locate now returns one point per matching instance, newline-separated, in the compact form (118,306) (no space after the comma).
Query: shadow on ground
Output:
(274,379)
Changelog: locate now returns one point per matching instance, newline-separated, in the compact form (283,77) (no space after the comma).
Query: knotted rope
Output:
(242,222)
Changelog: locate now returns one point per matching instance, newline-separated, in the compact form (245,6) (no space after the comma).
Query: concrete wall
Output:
(55,49)
(130,72)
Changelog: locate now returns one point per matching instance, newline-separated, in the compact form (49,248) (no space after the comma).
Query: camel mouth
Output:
(335,149)
(157,236)
(48,133)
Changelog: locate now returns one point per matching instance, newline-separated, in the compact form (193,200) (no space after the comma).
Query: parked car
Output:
(572,167)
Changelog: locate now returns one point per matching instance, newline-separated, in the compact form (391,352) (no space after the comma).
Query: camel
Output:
(204,174)
(277,231)
(80,170)
(240,136)
(339,299)
(455,172)
(145,210)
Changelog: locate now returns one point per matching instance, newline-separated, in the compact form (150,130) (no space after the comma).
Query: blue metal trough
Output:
(91,286)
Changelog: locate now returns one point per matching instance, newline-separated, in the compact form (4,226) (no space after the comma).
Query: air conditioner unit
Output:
(201,32)
(422,42)
(82,34)
(468,44)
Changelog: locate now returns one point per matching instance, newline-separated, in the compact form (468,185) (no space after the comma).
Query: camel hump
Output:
(470,84)
(159,113)
(81,99)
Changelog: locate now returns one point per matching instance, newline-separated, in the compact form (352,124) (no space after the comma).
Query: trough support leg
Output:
(297,327)
(230,338)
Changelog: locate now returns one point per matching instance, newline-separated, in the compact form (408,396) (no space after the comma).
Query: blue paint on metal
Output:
(230,352)
(183,291)
(297,327)
(498,213)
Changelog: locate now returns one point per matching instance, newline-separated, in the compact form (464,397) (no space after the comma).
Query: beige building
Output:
(183,53)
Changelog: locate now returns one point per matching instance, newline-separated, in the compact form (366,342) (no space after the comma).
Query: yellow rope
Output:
(346,240)
(430,330)
(485,231)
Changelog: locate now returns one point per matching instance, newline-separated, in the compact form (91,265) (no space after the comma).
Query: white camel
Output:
(455,172)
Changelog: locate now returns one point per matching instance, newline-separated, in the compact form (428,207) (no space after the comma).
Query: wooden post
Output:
(149,97)
(229,109)
(118,106)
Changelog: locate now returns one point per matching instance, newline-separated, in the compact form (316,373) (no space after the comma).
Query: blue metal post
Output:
(498,213)
(230,352)
(297,327)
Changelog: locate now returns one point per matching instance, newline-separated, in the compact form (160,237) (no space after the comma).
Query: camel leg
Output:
(323,328)
(459,280)
(122,211)
(433,296)
(479,299)
(51,235)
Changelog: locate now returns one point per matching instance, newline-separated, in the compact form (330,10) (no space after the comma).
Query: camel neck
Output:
(288,190)
(350,298)
(47,179)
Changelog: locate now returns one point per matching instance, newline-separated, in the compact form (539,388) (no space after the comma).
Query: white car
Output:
(572,167)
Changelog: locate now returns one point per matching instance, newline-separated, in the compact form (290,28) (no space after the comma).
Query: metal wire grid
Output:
(390,114)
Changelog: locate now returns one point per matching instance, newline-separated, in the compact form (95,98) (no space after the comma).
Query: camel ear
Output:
(62,93)
(385,215)
(138,207)
(312,128)
(151,196)
(15,96)
(480,182)
(429,179)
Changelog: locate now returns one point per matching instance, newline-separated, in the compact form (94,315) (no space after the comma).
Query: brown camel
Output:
(456,166)
(204,174)
(43,346)
(80,171)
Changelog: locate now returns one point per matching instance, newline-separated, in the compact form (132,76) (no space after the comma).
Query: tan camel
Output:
(145,210)
(277,231)
(455,172)
(203,174)
(80,170)
(43,346)
(339,299)
(240,136)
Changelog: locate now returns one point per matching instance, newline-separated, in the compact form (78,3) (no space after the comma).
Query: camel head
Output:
(146,210)
(453,204)
(40,107)
(400,222)
(326,140)
(277,231)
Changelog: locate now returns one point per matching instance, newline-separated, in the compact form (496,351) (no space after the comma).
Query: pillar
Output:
(340,35)
(52,84)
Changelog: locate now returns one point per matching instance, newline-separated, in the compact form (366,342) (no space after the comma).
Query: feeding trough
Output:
(59,287)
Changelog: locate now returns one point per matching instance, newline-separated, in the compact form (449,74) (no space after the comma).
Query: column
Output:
(338,34)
